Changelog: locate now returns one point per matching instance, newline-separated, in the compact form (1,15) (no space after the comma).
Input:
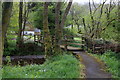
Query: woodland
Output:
(72,40)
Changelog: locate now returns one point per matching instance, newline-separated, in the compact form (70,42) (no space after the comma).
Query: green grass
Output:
(0,74)
(61,66)
(112,60)
(73,45)
(76,38)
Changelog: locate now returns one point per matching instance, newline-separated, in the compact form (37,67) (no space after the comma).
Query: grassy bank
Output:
(112,60)
(62,66)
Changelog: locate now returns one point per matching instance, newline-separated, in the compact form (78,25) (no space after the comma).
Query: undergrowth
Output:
(61,66)
(28,49)
(112,60)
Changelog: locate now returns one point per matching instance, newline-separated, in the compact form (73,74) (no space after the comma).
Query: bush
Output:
(11,49)
(61,66)
(28,49)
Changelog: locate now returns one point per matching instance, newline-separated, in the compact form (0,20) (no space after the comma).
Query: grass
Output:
(74,45)
(112,60)
(76,38)
(0,74)
(61,66)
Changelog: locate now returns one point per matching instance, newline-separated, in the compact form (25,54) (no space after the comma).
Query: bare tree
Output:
(23,15)
(96,24)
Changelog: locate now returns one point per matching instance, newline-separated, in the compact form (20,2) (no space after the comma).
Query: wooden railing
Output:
(67,41)
(84,43)
(93,46)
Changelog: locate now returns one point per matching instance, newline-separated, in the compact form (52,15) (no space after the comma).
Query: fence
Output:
(100,46)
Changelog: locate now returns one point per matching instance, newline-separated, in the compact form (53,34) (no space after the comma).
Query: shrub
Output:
(28,49)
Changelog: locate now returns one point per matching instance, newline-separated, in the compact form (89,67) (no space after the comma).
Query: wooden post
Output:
(41,38)
(66,45)
(38,38)
(83,42)
(65,37)
(93,46)
(34,38)
(86,43)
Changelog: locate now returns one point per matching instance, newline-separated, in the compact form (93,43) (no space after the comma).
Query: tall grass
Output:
(61,66)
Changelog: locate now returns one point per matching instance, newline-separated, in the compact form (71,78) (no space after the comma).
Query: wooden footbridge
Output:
(73,43)
(69,43)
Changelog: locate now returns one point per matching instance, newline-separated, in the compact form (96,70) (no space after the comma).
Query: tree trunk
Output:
(72,15)
(84,23)
(47,37)
(1,47)
(72,26)
(64,18)
(19,38)
(25,17)
(78,26)
(92,20)
(7,9)
(57,28)
(6,13)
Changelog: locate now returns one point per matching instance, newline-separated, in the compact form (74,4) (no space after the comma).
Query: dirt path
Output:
(93,68)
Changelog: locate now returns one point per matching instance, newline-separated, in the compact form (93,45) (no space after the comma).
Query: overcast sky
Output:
(79,1)
(85,1)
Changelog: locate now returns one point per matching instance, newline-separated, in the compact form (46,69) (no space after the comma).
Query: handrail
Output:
(71,40)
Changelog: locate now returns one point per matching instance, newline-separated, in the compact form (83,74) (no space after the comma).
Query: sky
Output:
(85,1)
(79,1)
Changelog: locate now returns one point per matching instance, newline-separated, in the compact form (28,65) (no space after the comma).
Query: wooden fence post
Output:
(83,42)
(34,38)
(86,43)
(93,46)
(65,37)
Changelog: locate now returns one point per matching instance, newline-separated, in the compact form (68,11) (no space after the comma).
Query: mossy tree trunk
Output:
(6,13)
(57,27)
(47,37)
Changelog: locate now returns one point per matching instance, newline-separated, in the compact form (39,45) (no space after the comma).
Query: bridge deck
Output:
(70,48)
